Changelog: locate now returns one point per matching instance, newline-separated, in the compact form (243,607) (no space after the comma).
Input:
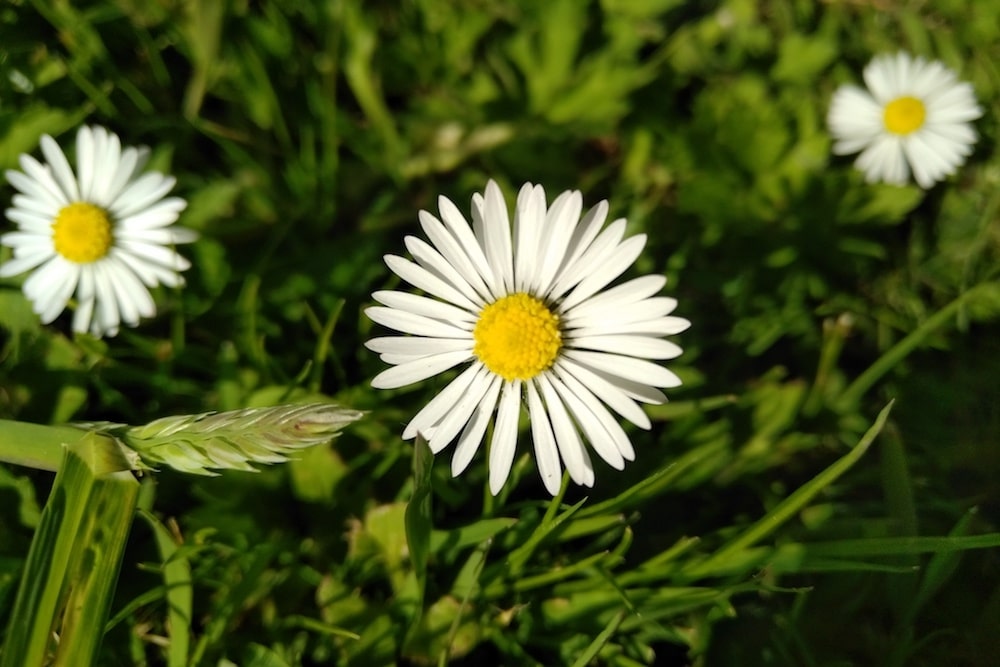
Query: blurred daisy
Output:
(102,233)
(530,311)
(915,116)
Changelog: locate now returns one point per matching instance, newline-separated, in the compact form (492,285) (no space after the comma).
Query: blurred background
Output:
(305,137)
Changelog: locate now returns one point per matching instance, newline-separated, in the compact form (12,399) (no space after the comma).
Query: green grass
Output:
(752,529)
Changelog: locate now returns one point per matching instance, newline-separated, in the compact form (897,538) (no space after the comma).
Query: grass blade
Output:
(792,504)
(72,567)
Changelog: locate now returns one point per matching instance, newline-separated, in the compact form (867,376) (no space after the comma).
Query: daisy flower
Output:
(915,116)
(528,310)
(103,233)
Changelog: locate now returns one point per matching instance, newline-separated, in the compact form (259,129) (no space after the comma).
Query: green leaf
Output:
(600,640)
(456,539)
(72,568)
(178,589)
(801,58)
(418,511)
(721,559)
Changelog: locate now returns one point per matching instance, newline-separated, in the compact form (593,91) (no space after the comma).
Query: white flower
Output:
(915,116)
(102,233)
(530,314)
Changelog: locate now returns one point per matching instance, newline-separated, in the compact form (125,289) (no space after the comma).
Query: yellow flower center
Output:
(82,232)
(904,115)
(517,337)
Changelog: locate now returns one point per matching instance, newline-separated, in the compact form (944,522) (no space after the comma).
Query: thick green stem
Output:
(34,445)
(72,567)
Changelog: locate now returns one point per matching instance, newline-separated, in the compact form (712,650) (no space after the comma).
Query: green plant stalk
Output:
(178,591)
(418,526)
(835,334)
(852,395)
(34,445)
(72,567)
(789,506)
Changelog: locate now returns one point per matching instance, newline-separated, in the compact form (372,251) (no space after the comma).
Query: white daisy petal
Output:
(141,193)
(456,223)
(33,222)
(613,396)
(503,446)
(546,450)
(529,214)
(158,215)
(632,291)
(433,412)
(616,315)
(154,253)
(496,226)
(46,279)
(415,346)
(591,426)
(560,222)
(913,119)
(583,266)
(128,216)
(42,176)
(109,152)
(528,302)
(451,249)
(568,440)
(52,300)
(150,274)
(36,196)
(611,427)
(133,298)
(87,289)
(660,326)
(61,170)
(24,263)
(456,419)
(106,315)
(419,369)
(475,429)
(421,305)
(603,273)
(131,163)
(83,315)
(423,279)
(86,160)
(433,261)
(628,368)
(583,236)
(640,346)
(418,325)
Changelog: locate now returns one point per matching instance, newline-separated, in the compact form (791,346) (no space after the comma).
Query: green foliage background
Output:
(306,136)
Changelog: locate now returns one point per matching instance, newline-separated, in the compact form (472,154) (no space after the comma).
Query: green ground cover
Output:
(753,528)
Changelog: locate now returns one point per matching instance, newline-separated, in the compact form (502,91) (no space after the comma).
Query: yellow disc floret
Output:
(81,232)
(517,337)
(904,115)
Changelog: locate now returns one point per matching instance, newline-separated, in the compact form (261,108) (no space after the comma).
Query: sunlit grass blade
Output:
(896,546)
(418,526)
(72,567)
(656,482)
(720,560)
(179,592)
(600,640)
(520,556)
